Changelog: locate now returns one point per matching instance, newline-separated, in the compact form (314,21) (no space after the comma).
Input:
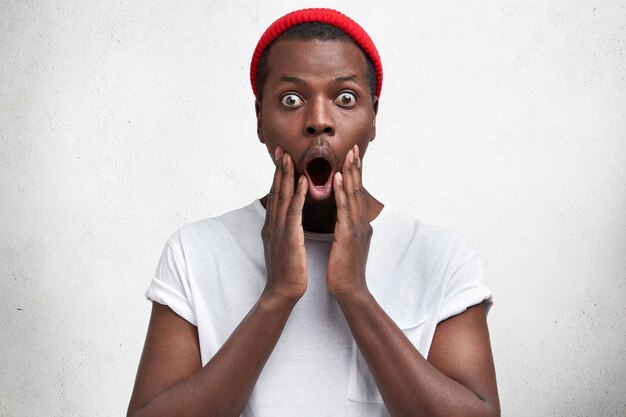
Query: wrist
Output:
(349,295)
(276,299)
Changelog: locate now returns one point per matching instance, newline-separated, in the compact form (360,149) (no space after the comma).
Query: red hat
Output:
(328,16)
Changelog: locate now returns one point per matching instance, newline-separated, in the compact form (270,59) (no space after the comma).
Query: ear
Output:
(374,113)
(259,127)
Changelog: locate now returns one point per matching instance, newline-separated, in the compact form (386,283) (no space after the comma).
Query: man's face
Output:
(316,105)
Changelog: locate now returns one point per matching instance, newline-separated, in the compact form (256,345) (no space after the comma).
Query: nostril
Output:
(328,130)
(310,130)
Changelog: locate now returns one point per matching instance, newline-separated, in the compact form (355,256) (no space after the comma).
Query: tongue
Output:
(318,171)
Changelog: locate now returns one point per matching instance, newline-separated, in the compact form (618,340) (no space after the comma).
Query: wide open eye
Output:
(291,100)
(346,99)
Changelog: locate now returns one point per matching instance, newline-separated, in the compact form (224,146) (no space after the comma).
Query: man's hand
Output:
(348,254)
(283,236)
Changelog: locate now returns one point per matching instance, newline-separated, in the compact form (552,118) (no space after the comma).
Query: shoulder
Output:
(234,225)
(401,229)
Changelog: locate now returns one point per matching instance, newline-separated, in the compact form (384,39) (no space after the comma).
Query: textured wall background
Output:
(121,121)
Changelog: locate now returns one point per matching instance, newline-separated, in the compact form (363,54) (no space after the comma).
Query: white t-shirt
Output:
(212,272)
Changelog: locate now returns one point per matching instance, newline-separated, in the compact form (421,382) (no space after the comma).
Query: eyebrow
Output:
(291,79)
(344,78)
(336,80)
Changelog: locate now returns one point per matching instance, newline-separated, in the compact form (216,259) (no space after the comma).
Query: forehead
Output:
(316,57)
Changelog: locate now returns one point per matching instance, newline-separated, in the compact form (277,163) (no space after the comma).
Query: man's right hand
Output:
(283,235)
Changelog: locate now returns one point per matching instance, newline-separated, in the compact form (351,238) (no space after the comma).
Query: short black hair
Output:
(310,31)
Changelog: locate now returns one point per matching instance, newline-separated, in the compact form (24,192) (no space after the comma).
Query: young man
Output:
(316,300)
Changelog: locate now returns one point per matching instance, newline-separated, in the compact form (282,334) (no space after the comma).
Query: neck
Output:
(320,216)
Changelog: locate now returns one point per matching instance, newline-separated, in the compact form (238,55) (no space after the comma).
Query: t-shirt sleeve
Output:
(170,284)
(466,288)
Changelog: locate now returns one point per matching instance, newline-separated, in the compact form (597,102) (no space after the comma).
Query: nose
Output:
(319,118)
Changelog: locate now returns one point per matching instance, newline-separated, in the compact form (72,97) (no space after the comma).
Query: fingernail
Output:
(339,176)
(285,159)
(351,156)
(278,153)
(358,162)
(357,151)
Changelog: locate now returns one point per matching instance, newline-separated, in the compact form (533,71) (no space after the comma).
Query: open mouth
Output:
(319,172)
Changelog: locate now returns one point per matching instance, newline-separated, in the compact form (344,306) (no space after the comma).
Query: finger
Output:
(272,200)
(350,179)
(286,189)
(294,214)
(358,182)
(356,173)
(346,170)
(343,209)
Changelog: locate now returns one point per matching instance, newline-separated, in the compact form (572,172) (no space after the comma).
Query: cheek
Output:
(363,131)
(277,130)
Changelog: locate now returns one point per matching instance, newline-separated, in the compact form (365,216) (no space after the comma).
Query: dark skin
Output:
(317,95)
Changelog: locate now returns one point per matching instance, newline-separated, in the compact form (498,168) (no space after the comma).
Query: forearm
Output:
(408,383)
(223,385)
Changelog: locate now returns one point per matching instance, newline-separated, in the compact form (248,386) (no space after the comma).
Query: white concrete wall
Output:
(121,121)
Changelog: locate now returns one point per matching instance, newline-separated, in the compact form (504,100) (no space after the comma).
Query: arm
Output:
(170,379)
(458,379)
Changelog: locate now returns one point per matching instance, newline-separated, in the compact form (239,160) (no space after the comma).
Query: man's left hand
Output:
(348,254)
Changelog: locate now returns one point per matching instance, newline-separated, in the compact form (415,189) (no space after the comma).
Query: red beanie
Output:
(328,16)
